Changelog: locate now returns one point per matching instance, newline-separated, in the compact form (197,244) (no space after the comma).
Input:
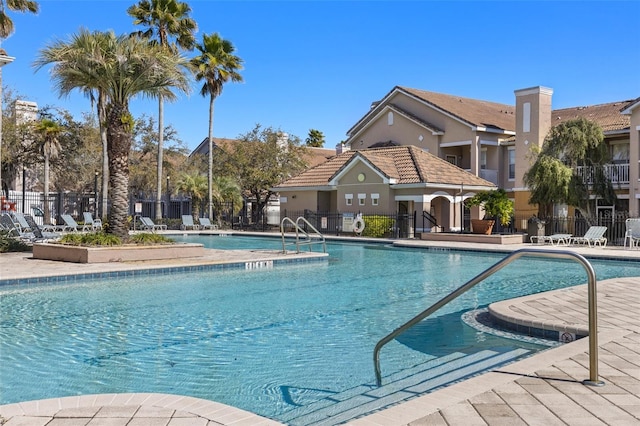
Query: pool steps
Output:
(398,387)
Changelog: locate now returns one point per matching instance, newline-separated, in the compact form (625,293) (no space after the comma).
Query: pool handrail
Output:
(309,238)
(561,254)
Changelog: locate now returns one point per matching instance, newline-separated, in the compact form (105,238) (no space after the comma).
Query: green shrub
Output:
(377,226)
(11,244)
(149,238)
(91,239)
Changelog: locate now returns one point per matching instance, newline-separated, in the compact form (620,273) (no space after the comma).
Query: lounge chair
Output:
(96,224)
(632,232)
(593,237)
(72,225)
(187,222)
(555,239)
(149,225)
(205,223)
(41,233)
(11,226)
(20,221)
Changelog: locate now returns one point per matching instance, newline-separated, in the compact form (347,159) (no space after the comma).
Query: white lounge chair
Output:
(72,225)
(187,222)
(555,239)
(96,224)
(205,223)
(593,237)
(149,225)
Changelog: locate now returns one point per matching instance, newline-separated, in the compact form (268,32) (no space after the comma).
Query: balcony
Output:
(616,173)
(487,174)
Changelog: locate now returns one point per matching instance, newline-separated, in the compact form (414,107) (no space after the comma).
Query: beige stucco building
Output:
(481,139)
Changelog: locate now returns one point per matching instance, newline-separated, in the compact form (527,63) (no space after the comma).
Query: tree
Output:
(215,65)
(228,191)
(157,73)
(552,177)
(263,159)
(164,19)
(315,138)
(6,24)
(49,131)
(196,186)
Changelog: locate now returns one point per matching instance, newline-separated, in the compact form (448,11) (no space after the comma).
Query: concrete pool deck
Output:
(545,388)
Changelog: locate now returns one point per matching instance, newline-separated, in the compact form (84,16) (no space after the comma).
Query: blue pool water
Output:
(271,341)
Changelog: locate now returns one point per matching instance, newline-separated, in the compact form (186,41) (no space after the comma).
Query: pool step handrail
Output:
(592,302)
(309,238)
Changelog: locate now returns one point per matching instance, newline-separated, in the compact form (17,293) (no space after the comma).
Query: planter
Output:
(481,226)
(127,253)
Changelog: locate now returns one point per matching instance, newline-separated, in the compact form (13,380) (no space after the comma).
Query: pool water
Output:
(269,340)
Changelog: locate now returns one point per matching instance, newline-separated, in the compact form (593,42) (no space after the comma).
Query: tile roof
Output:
(608,116)
(405,164)
(473,111)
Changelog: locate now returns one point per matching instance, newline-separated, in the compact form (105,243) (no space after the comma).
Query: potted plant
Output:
(496,205)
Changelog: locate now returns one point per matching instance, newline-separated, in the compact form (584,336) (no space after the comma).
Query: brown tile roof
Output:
(608,115)
(472,111)
(316,156)
(405,164)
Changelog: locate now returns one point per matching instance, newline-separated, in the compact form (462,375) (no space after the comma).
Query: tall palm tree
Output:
(125,67)
(48,130)
(215,65)
(164,19)
(6,29)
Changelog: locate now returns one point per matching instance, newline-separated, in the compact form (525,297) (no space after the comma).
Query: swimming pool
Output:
(279,342)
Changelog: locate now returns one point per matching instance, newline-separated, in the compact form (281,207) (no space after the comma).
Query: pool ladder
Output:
(308,238)
(593,320)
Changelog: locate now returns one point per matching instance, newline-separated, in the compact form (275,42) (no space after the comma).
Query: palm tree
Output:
(6,24)
(216,65)
(48,130)
(111,69)
(6,29)
(196,186)
(226,189)
(164,19)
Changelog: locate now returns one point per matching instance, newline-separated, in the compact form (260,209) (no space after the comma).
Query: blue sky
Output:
(320,64)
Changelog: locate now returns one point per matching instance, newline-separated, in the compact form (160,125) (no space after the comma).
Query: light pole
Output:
(168,195)
(4,60)
(95,194)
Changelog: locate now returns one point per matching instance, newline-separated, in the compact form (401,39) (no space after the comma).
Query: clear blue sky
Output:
(320,64)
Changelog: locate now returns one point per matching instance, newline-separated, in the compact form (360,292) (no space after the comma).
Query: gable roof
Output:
(609,116)
(474,112)
(400,164)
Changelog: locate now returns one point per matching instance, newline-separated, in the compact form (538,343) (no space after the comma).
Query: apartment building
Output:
(487,140)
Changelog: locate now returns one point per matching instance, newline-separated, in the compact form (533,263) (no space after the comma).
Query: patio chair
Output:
(21,222)
(149,225)
(41,233)
(187,222)
(632,232)
(593,237)
(72,225)
(205,223)
(96,224)
(555,239)
(11,226)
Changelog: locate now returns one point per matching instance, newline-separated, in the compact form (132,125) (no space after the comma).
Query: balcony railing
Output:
(616,173)
(488,174)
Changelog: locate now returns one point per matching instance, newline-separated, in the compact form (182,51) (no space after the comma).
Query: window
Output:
(483,158)
(512,163)
(362,199)
(374,199)
(390,119)
(526,117)
(348,199)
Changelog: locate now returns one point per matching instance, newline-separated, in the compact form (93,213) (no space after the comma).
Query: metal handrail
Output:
(593,321)
(308,237)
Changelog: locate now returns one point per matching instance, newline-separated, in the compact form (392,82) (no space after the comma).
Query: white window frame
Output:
(348,198)
(375,199)
(362,199)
